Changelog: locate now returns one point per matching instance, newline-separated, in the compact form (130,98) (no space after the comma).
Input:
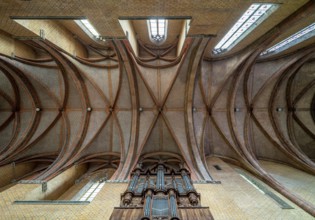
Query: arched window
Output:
(157,30)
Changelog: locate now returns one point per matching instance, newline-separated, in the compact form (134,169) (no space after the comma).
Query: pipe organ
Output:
(160,191)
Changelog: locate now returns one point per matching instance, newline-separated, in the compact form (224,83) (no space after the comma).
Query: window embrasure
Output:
(294,39)
(88,28)
(252,17)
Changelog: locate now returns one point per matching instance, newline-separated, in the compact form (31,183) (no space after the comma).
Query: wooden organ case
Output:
(160,192)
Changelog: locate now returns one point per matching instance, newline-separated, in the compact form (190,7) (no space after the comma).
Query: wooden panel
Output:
(202,213)
(128,214)
(195,213)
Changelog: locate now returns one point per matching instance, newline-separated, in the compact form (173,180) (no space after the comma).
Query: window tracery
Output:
(157,30)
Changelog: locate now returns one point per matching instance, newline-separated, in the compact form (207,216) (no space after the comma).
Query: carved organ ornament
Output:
(160,190)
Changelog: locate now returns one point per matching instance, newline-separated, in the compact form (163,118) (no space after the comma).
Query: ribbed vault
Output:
(113,108)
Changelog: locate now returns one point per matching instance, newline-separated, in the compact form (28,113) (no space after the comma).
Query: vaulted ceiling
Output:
(107,105)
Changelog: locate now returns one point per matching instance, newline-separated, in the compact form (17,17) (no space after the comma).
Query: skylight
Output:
(252,17)
(294,39)
(157,30)
(87,27)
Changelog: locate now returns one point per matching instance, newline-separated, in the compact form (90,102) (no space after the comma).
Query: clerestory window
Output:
(92,192)
(252,17)
(157,30)
(88,28)
(294,39)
